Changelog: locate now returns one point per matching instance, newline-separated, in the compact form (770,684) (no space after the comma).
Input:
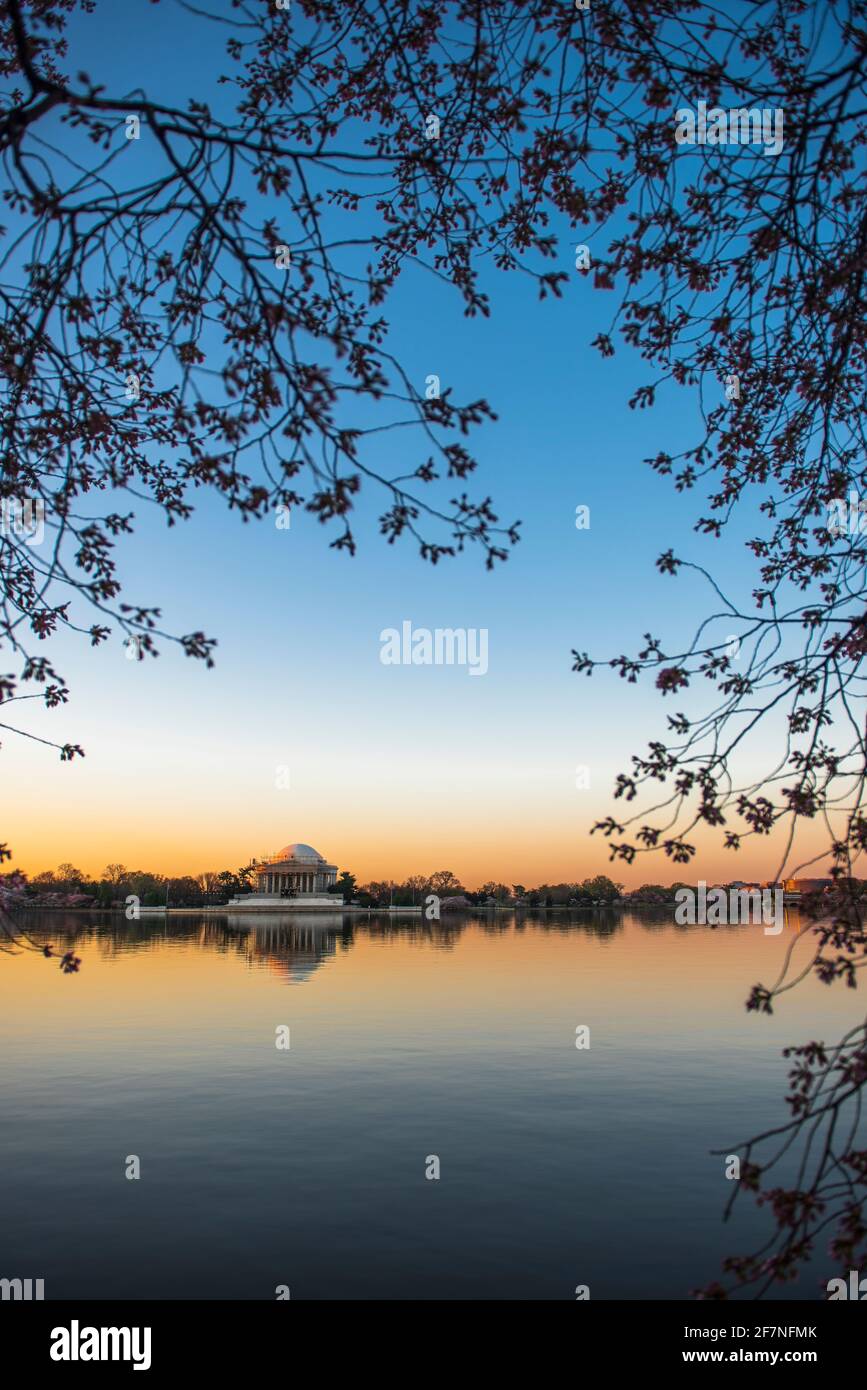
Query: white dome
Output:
(306,852)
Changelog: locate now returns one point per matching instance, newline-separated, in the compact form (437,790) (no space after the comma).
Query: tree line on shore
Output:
(67,885)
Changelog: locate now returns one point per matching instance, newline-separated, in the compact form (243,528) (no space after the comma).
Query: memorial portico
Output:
(296,872)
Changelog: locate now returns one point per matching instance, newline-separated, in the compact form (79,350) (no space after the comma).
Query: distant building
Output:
(807,885)
(296,873)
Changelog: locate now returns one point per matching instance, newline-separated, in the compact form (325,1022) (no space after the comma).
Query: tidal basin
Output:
(305,1166)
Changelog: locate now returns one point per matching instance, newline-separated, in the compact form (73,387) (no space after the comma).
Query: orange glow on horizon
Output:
(395,853)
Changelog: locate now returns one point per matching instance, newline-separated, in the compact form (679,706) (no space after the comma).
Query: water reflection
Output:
(408,1038)
(303,941)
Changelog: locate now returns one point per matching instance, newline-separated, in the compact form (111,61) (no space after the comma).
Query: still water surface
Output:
(306,1167)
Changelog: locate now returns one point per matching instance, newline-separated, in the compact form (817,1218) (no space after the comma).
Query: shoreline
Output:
(225,909)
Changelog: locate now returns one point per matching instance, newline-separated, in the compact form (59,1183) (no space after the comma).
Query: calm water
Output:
(306,1167)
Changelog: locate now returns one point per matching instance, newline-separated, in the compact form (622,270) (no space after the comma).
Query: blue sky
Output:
(391,769)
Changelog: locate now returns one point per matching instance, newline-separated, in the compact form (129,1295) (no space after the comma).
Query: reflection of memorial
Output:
(295,878)
(294,951)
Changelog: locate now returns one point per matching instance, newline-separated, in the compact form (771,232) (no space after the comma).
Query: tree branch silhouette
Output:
(271,384)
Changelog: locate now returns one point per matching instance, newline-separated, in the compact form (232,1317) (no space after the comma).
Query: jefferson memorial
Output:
(296,876)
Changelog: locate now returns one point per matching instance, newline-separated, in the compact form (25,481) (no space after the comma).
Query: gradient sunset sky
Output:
(392,770)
